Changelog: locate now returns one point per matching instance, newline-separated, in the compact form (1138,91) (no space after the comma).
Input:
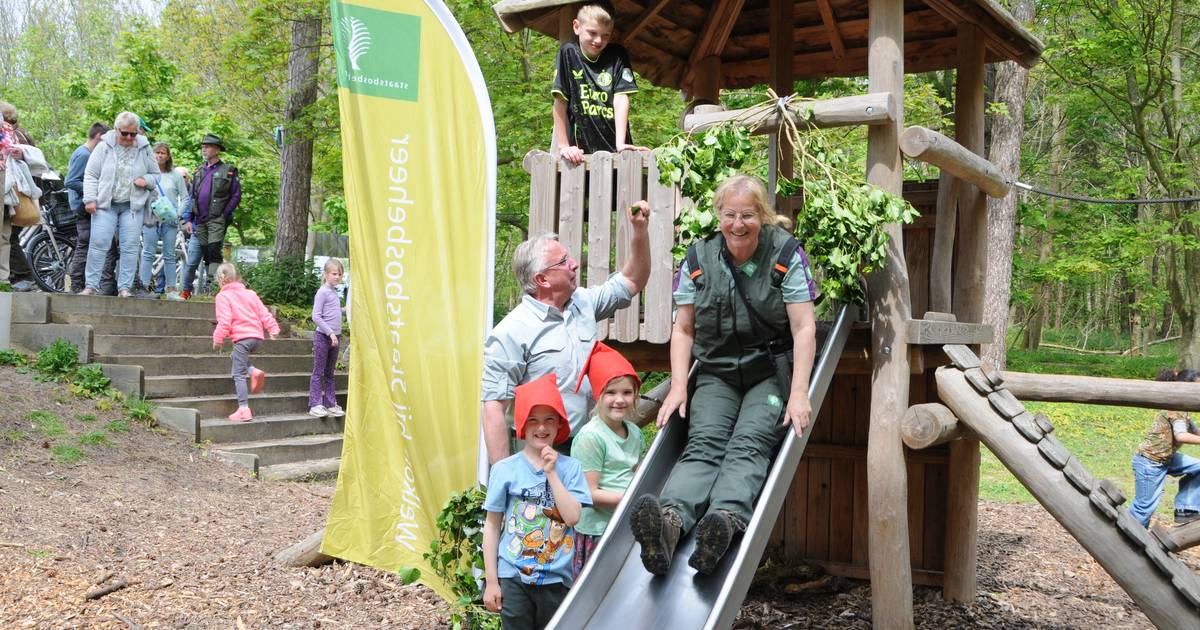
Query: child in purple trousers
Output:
(327,315)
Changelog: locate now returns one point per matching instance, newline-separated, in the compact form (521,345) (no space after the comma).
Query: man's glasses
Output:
(129,134)
(565,258)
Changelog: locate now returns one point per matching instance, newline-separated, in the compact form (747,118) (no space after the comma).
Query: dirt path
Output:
(193,538)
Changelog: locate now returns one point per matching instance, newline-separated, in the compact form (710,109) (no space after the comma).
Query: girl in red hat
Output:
(608,446)
(533,503)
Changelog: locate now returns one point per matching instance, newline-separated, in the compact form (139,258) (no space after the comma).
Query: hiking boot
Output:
(1183,517)
(714,532)
(657,530)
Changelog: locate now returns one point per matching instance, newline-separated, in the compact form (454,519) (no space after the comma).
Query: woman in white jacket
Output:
(118,187)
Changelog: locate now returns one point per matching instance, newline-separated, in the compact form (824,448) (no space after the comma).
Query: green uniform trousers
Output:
(732,436)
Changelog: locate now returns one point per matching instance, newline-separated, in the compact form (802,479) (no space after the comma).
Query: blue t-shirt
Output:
(535,544)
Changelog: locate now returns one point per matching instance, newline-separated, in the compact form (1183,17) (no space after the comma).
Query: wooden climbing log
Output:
(934,148)
(864,109)
(646,410)
(1177,539)
(1104,391)
(306,553)
(1129,565)
(927,425)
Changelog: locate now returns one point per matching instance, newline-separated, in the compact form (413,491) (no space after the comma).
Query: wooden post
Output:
(566,16)
(887,491)
(1176,539)
(782,48)
(306,553)
(962,500)
(706,86)
(928,425)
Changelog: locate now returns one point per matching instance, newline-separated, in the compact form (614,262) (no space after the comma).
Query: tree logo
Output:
(358,39)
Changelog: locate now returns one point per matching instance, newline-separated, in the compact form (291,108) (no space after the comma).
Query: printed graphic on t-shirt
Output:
(590,88)
(538,533)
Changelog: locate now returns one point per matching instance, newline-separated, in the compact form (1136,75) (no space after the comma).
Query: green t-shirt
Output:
(601,450)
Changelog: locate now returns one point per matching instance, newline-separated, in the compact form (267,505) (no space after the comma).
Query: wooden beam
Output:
(932,332)
(712,39)
(932,54)
(987,30)
(1104,391)
(780,150)
(962,494)
(642,20)
(934,148)
(706,84)
(888,296)
(1120,547)
(1176,539)
(306,553)
(863,109)
(831,26)
(929,424)
(941,261)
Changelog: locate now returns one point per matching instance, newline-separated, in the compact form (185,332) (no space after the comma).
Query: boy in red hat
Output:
(534,499)
(608,446)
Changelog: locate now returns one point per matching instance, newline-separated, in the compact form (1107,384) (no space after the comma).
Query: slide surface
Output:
(616,591)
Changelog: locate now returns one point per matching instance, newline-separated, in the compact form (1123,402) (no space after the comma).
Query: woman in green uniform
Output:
(744,302)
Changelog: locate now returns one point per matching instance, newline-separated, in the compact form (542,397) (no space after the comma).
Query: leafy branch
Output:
(456,556)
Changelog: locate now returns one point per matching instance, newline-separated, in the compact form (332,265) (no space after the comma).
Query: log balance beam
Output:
(1104,391)
(934,148)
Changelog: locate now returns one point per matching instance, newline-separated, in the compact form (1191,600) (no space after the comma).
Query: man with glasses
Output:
(553,329)
(216,193)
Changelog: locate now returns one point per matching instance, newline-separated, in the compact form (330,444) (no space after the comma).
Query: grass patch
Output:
(46,423)
(117,426)
(13,436)
(86,417)
(95,438)
(66,453)
(1103,438)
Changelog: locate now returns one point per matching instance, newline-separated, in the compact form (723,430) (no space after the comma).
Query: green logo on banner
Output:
(378,52)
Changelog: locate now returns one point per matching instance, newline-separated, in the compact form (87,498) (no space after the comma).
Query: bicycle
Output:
(50,245)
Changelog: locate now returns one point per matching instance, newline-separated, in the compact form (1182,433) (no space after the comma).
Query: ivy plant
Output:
(456,555)
(840,218)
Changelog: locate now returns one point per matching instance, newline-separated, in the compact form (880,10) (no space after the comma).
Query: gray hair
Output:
(529,259)
(8,112)
(125,119)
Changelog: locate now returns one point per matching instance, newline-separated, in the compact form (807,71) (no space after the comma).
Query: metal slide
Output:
(616,591)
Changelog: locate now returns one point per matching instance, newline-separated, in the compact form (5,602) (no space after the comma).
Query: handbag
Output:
(163,208)
(26,212)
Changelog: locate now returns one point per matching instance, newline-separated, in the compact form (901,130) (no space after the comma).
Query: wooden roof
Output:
(666,38)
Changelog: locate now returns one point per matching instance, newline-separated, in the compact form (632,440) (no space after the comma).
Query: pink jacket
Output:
(241,315)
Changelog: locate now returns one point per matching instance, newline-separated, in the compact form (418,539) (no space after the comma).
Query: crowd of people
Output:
(129,201)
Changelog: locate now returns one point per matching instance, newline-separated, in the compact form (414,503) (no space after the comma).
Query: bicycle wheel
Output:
(48,265)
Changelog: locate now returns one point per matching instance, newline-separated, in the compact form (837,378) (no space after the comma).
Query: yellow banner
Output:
(419,166)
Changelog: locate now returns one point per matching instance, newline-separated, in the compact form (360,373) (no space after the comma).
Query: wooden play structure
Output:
(861,503)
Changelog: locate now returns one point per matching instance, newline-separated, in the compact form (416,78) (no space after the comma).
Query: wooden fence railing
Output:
(588,206)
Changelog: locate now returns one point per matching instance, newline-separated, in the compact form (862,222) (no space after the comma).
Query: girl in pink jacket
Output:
(241,316)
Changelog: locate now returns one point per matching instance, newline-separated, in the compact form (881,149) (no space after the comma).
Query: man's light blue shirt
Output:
(536,338)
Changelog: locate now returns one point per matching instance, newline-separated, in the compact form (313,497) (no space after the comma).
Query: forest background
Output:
(1110,112)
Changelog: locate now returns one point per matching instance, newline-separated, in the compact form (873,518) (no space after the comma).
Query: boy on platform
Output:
(592,84)
(534,498)
(608,446)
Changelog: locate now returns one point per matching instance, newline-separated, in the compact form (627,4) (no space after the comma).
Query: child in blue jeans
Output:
(1159,456)
(534,499)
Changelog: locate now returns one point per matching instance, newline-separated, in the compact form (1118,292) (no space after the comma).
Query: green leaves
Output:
(456,556)
(840,217)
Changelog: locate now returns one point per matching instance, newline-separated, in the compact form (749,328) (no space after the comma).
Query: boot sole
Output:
(713,535)
(647,526)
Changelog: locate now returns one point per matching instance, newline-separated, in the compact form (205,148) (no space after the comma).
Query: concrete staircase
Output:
(163,350)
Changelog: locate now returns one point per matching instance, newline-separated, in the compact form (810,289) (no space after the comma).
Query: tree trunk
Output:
(295,173)
(1005,153)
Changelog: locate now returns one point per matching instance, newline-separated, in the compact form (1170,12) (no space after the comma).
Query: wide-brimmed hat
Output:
(543,391)
(213,140)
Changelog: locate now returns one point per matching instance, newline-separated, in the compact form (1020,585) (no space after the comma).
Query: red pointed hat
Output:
(542,391)
(603,365)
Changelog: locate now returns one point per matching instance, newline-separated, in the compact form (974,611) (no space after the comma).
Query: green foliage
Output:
(140,410)
(56,362)
(95,438)
(66,454)
(89,381)
(86,417)
(292,281)
(117,426)
(13,436)
(299,317)
(842,218)
(457,556)
(13,358)
(46,423)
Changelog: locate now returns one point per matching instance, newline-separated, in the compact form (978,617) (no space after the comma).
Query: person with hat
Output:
(215,194)
(553,328)
(534,499)
(608,446)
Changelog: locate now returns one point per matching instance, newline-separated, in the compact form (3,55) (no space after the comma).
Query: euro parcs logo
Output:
(378,52)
